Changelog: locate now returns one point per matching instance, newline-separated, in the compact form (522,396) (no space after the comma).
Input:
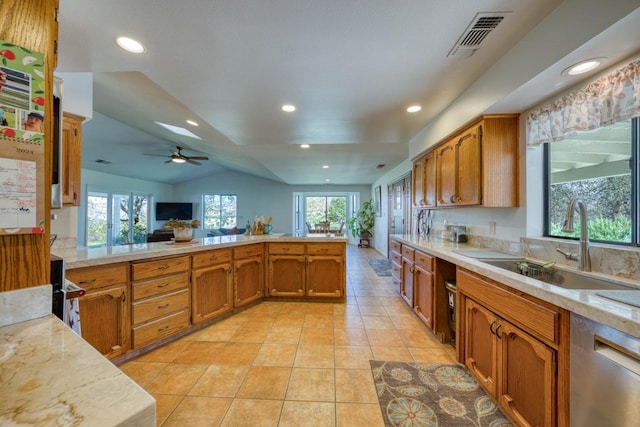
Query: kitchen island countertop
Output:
(50,376)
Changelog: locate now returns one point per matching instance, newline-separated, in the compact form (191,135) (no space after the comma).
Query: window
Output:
(326,209)
(600,168)
(116,218)
(219,211)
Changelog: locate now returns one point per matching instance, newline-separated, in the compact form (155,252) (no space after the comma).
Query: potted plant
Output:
(361,225)
(182,230)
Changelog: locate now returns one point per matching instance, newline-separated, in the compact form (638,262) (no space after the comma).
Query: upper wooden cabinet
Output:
(478,165)
(71,145)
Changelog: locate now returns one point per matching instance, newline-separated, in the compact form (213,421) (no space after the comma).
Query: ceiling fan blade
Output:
(193,162)
(169,161)
(197,157)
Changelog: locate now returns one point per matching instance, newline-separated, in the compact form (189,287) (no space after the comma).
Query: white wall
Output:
(257,196)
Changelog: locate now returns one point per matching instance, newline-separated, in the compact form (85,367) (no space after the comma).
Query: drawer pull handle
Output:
(491,327)
(213,258)
(164,267)
(285,249)
(164,305)
(85,282)
(164,328)
(163,285)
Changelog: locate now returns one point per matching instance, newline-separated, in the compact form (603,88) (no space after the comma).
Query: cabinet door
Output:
(423,280)
(446,175)
(480,352)
(211,293)
(71,146)
(104,320)
(527,381)
(286,275)
(418,182)
(248,282)
(325,276)
(430,169)
(406,284)
(468,168)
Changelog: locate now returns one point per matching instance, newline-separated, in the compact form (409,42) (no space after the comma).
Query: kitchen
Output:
(510,223)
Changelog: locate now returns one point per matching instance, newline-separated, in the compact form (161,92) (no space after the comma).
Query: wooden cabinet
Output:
(211,284)
(248,274)
(161,298)
(478,165)
(458,179)
(71,148)
(423,303)
(406,284)
(517,348)
(104,309)
(306,270)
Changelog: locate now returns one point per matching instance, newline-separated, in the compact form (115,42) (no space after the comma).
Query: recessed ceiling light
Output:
(130,45)
(178,160)
(583,67)
(289,108)
(325,166)
(327,180)
(305,146)
(178,130)
(192,123)
(414,109)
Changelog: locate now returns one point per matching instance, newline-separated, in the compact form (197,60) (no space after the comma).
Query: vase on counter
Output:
(183,234)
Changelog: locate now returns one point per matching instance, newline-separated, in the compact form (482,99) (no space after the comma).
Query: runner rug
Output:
(419,394)
(381,266)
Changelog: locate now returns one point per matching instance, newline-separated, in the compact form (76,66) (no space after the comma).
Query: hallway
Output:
(289,363)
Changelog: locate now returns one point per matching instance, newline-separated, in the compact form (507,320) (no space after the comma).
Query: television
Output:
(165,211)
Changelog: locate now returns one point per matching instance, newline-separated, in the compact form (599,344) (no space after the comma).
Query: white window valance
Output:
(612,98)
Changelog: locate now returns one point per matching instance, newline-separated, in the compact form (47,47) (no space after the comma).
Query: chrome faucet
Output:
(584,262)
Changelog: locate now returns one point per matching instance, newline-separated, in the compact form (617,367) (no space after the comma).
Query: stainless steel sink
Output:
(562,278)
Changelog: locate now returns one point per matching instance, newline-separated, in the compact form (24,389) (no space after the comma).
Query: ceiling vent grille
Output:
(476,32)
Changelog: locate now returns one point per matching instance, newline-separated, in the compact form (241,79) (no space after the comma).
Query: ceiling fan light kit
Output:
(178,157)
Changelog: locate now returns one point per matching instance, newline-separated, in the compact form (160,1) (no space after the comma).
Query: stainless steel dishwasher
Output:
(605,375)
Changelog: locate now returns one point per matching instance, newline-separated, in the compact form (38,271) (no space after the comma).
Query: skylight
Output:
(178,130)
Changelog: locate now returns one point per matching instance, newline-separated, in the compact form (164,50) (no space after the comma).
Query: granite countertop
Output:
(87,257)
(50,376)
(623,317)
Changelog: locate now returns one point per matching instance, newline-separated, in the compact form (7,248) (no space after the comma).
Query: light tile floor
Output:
(289,363)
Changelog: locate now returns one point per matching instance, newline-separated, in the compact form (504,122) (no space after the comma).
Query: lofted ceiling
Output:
(350,67)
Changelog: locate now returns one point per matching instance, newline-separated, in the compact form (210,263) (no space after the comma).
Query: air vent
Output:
(476,32)
(380,166)
(104,162)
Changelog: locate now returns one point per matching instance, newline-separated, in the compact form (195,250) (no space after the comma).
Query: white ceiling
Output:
(351,67)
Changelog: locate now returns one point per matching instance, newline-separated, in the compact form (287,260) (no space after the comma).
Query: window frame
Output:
(634,162)
(220,195)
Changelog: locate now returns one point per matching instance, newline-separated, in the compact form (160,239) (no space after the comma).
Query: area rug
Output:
(381,266)
(418,394)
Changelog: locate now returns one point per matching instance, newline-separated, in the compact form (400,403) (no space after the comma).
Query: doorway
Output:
(399,207)
(116,219)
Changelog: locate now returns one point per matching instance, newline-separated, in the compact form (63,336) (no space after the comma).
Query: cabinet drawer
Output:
(205,259)
(286,248)
(247,251)
(325,249)
(536,319)
(161,267)
(396,270)
(396,246)
(396,257)
(161,328)
(408,253)
(160,286)
(151,308)
(423,260)
(99,276)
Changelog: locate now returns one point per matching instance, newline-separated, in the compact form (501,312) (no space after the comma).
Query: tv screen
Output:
(166,211)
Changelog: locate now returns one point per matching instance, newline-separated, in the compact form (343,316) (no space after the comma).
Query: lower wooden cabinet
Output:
(424,288)
(211,284)
(248,274)
(105,307)
(314,270)
(396,264)
(515,360)
(406,283)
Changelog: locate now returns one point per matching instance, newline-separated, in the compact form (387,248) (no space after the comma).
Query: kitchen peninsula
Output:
(142,296)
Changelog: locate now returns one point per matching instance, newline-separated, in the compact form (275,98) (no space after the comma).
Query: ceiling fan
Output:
(178,157)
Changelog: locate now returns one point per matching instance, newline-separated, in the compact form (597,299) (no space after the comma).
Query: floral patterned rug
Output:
(418,394)
(381,266)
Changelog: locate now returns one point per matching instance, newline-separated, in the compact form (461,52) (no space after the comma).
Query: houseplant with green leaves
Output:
(361,225)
